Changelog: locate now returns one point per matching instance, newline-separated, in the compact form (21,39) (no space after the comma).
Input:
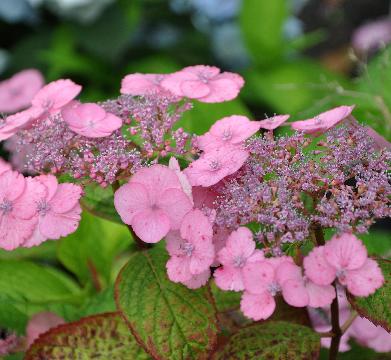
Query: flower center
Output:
(318,120)
(274,288)
(43,207)
(214,165)
(187,248)
(227,134)
(6,207)
(239,261)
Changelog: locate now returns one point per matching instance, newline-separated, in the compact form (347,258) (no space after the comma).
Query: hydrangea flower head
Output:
(324,121)
(55,95)
(215,165)
(58,211)
(273,122)
(204,83)
(90,120)
(231,130)
(344,257)
(191,248)
(239,250)
(18,214)
(142,84)
(17,92)
(152,202)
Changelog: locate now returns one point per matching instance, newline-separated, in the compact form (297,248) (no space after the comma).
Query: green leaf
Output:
(262,25)
(203,115)
(100,202)
(11,317)
(376,307)
(99,303)
(99,337)
(377,242)
(169,320)
(92,248)
(45,251)
(279,340)
(225,300)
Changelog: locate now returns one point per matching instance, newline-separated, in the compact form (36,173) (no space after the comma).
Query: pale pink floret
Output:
(191,249)
(173,164)
(299,291)
(58,211)
(231,130)
(90,120)
(344,257)
(17,92)
(215,165)
(152,202)
(204,83)
(55,95)
(379,141)
(239,250)
(41,323)
(142,84)
(273,122)
(324,121)
(4,166)
(197,281)
(18,214)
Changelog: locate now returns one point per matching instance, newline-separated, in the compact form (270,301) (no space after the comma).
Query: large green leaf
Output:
(100,202)
(169,320)
(99,337)
(262,24)
(376,307)
(277,340)
(90,251)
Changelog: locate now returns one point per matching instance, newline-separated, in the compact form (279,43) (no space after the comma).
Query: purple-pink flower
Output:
(152,202)
(204,83)
(142,84)
(273,122)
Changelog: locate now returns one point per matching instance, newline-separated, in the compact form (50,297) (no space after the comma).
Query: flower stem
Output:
(139,243)
(335,329)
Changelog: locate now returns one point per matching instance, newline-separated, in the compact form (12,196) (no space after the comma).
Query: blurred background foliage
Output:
(297,57)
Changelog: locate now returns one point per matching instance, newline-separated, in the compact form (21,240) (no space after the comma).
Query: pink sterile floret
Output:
(239,250)
(215,165)
(344,257)
(273,122)
(18,213)
(173,164)
(17,92)
(204,83)
(55,95)
(142,84)
(379,141)
(231,130)
(152,202)
(41,323)
(191,248)
(90,120)
(4,166)
(58,211)
(324,121)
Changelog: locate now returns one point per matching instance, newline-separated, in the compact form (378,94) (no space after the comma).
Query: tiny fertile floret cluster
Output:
(238,204)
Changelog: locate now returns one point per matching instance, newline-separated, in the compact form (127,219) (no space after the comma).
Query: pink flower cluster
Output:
(33,210)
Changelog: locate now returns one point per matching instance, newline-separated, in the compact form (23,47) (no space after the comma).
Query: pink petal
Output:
(194,89)
(317,268)
(323,121)
(240,244)
(273,122)
(19,121)
(203,197)
(295,293)
(380,141)
(12,185)
(156,179)
(174,242)
(151,225)
(175,204)
(130,199)
(221,90)
(173,82)
(235,78)
(365,280)
(141,84)
(196,227)
(201,262)
(178,269)
(276,262)
(258,276)
(319,296)
(56,225)
(197,281)
(257,307)
(4,166)
(66,198)
(41,323)
(14,231)
(186,187)
(56,94)
(345,251)
(288,271)
(51,184)
(229,278)
(35,239)
(202,71)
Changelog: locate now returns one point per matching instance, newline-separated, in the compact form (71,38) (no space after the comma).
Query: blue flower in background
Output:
(14,11)
(217,9)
